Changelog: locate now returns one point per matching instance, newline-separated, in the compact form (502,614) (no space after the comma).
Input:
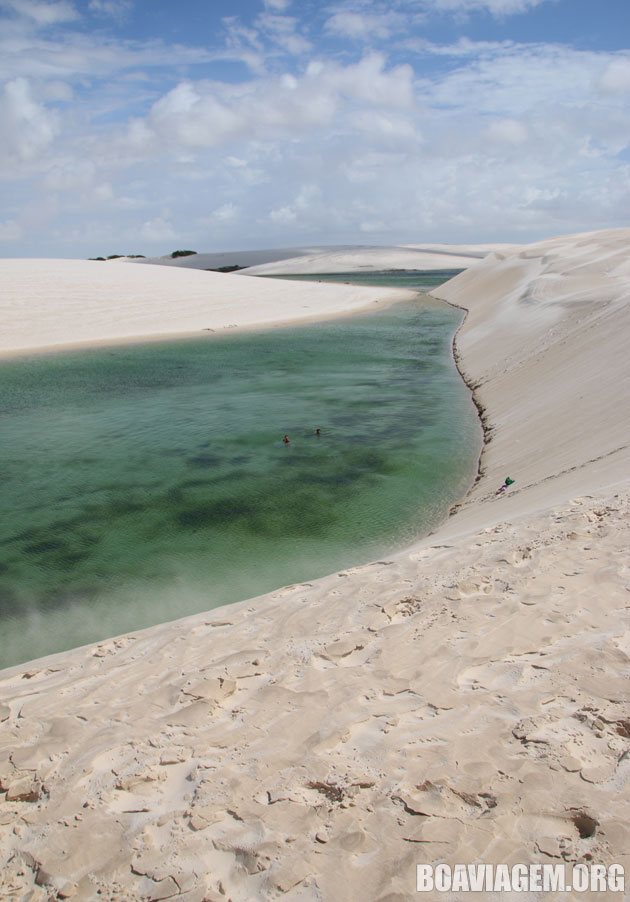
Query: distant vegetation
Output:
(182,254)
(118,256)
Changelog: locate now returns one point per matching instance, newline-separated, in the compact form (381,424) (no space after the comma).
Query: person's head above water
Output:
(318,431)
(286,440)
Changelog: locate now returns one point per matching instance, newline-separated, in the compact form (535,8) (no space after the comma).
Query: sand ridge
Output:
(368,259)
(463,700)
(337,258)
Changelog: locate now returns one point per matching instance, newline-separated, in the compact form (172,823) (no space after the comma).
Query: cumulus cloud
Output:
(615,79)
(507,131)
(192,116)
(27,127)
(406,140)
(208,114)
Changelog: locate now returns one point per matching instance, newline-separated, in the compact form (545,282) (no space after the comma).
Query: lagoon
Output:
(144,483)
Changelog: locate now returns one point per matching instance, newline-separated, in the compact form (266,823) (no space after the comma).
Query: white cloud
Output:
(372,226)
(236,162)
(27,127)
(371,20)
(85,55)
(308,196)
(192,116)
(510,80)
(71,175)
(119,141)
(208,114)
(158,230)
(283,215)
(238,34)
(363,26)
(57,91)
(282,30)
(495,7)
(10,230)
(225,213)
(507,131)
(379,125)
(615,79)
(116,9)
(41,12)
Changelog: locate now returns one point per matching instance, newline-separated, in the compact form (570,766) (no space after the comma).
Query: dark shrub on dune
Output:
(119,256)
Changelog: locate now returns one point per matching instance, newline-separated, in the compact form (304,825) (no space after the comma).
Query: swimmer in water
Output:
(318,432)
(286,440)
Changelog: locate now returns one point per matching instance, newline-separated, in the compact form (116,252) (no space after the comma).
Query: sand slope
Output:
(465,700)
(544,344)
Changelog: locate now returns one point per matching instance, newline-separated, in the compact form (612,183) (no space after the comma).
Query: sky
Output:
(137,127)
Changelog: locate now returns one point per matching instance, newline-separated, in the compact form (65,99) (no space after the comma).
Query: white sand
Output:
(48,304)
(465,700)
(337,258)
(367,259)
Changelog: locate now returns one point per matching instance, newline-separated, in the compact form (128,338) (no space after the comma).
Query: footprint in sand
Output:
(289,590)
(342,653)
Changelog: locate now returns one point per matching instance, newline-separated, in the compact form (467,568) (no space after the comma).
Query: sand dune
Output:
(544,344)
(366,259)
(58,303)
(215,259)
(464,700)
(338,258)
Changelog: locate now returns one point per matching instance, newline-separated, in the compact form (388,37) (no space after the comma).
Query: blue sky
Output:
(136,127)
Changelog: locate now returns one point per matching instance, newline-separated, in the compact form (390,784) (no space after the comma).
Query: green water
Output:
(401,278)
(140,484)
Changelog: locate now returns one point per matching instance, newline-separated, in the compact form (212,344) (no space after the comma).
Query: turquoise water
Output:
(140,484)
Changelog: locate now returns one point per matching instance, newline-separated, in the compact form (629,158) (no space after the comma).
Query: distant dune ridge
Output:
(339,258)
(463,700)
